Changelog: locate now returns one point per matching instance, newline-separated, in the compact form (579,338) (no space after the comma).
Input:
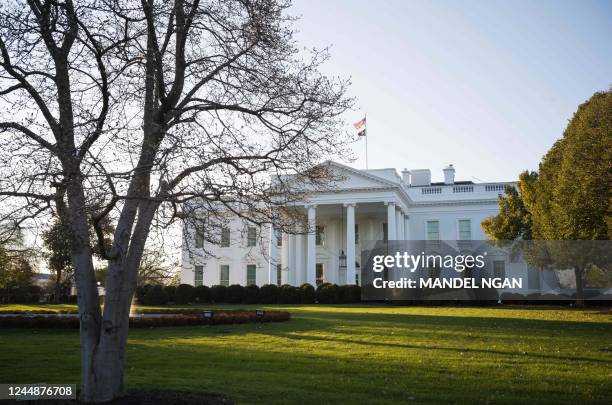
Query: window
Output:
(224,276)
(433,230)
(225,237)
(199,239)
(279,274)
(385,232)
(198,276)
(434,266)
(356,278)
(465,229)
(279,239)
(499,268)
(251,274)
(319,235)
(356,234)
(251,236)
(533,278)
(320,274)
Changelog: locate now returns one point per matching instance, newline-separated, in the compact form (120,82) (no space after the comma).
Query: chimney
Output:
(406,177)
(449,174)
(420,177)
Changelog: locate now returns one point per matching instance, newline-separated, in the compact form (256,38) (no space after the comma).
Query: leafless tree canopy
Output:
(126,110)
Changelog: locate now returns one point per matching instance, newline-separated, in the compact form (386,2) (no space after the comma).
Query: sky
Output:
(485,85)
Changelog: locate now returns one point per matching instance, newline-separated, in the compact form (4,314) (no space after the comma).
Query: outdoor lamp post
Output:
(342,260)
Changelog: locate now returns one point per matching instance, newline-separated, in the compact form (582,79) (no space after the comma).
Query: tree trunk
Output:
(87,292)
(579,274)
(58,287)
(109,358)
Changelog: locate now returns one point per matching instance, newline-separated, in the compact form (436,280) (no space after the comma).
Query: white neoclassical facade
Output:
(366,205)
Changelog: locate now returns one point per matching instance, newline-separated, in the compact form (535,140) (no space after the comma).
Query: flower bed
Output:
(192,318)
(37,312)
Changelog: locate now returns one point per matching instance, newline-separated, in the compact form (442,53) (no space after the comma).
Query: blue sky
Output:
(485,85)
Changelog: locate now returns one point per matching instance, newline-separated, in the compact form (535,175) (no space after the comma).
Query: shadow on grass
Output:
(444,348)
(313,371)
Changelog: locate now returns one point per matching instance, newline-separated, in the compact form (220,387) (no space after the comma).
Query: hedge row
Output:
(23,295)
(218,318)
(236,294)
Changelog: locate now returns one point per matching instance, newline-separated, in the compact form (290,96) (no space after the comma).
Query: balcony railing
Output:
(431,190)
(495,187)
(464,188)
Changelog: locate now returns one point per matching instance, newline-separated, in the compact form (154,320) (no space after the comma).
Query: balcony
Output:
(439,192)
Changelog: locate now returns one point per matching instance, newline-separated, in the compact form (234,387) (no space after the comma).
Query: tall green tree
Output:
(513,220)
(570,198)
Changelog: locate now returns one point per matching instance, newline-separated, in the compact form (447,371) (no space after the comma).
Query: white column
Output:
(406,228)
(400,226)
(311,249)
(273,260)
(350,243)
(398,223)
(391,229)
(292,271)
(299,255)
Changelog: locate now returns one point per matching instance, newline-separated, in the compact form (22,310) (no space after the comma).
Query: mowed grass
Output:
(355,355)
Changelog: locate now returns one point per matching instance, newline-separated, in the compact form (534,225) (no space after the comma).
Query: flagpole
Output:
(366,139)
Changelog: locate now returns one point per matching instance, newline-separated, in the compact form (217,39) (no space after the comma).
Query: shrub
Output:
(250,294)
(327,293)
(349,293)
(307,294)
(156,296)
(288,294)
(217,293)
(171,291)
(26,295)
(202,294)
(513,298)
(141,291)
(184,294)
(269,294)
(234,294)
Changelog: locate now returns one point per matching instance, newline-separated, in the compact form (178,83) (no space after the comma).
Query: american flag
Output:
(360,126)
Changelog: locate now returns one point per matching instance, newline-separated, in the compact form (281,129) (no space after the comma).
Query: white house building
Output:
(366,205)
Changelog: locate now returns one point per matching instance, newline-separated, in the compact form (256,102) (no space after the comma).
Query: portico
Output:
(326,247)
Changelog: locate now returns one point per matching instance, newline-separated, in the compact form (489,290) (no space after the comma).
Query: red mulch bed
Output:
(191,318)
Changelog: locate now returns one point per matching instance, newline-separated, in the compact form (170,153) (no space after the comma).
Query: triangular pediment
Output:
(357,179)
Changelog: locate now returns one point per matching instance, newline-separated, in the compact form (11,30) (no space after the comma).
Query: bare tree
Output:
(148,112)
(154,268)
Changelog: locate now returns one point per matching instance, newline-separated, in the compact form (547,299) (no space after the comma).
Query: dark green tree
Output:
(16,271)
(57,241)
(570,198)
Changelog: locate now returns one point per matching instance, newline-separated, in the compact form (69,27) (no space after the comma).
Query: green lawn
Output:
(355,354)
